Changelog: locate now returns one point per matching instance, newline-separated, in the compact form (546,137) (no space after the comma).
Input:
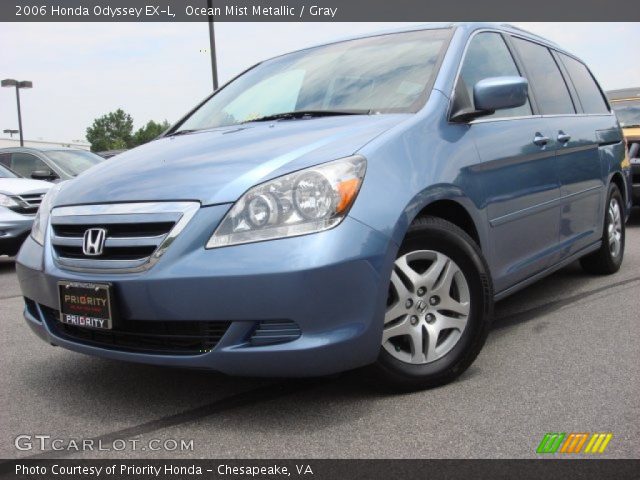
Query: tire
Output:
(439,309)
(608,258)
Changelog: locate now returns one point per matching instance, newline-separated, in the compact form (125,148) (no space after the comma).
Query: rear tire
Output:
(608,258)
(439,308)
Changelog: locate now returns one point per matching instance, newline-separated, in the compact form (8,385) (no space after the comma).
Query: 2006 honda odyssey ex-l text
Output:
(361,203)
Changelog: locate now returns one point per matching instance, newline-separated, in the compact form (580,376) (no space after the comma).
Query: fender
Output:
(435,193)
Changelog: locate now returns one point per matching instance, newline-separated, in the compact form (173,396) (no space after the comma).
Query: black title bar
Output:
(316,10)
(319,469)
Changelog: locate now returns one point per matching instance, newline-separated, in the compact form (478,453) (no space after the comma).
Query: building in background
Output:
(15,142)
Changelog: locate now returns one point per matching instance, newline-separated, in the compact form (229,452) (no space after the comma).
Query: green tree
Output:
(112,131)
(150,131)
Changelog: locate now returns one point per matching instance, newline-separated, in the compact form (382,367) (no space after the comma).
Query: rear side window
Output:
(587,88)
(551,92)
(488,56)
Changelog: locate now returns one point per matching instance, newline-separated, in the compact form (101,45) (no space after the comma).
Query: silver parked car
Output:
(52,164)
(19,202)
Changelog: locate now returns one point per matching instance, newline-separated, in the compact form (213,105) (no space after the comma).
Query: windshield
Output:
(628,112)
(6,173)
(74,162)
(383,74)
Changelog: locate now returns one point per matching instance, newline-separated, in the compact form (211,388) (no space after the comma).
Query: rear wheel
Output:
(608,258)
(438,309)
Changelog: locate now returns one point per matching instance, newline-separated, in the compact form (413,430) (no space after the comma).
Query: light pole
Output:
(212,47)
(10,131)
(9,82)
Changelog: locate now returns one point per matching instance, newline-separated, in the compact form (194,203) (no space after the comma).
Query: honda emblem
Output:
(93,241)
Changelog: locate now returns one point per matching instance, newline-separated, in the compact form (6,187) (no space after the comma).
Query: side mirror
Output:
(497,93)
(43,175)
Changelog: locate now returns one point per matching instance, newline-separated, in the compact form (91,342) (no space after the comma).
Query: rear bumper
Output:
(14,228)
(332,284)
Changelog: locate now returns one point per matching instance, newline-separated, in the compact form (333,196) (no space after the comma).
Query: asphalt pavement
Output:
(564,356)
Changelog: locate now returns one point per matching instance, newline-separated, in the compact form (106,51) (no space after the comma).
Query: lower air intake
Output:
(149,336)
(279,331)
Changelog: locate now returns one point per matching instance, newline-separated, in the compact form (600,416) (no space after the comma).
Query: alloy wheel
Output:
(428,307)
(614,228)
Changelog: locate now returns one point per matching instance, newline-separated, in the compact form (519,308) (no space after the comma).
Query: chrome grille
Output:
(28,203)
(137,234)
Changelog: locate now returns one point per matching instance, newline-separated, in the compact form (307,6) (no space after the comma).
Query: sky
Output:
(158,71)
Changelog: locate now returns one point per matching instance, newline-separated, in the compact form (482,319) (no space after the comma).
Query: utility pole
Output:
(10,82)
(212,47)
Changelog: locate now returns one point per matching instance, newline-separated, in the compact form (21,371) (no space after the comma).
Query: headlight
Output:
(7,201)
(41,220)
(307,201)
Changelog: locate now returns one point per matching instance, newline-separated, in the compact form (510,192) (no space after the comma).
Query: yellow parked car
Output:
(626,103)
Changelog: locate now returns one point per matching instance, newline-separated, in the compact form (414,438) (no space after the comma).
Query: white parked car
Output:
(19,202)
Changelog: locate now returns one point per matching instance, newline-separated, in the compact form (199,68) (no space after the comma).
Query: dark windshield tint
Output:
(387,73)
(74,162)
(6,173)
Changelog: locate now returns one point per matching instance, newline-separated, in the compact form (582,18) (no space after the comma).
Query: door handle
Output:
(540,140)
(563,137)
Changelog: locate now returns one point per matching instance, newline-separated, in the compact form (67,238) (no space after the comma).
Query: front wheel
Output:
(438,308)
(608,258)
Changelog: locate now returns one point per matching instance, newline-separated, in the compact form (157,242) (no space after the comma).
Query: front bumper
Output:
(332,284)
(14,228)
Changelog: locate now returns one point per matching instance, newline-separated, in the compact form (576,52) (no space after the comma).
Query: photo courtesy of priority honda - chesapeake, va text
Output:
(361,203)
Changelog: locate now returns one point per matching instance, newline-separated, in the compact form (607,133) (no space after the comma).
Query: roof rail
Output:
(540,37)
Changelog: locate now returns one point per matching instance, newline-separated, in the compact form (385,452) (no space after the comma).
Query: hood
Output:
(219,165)
(22,186)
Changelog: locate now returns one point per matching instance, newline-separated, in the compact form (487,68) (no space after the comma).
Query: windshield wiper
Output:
(308,113)
(285,116)
(181,132)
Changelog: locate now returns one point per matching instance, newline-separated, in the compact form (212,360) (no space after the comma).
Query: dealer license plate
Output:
(86,305)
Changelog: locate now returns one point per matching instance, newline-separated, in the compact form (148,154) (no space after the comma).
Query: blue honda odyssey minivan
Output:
(360,203)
